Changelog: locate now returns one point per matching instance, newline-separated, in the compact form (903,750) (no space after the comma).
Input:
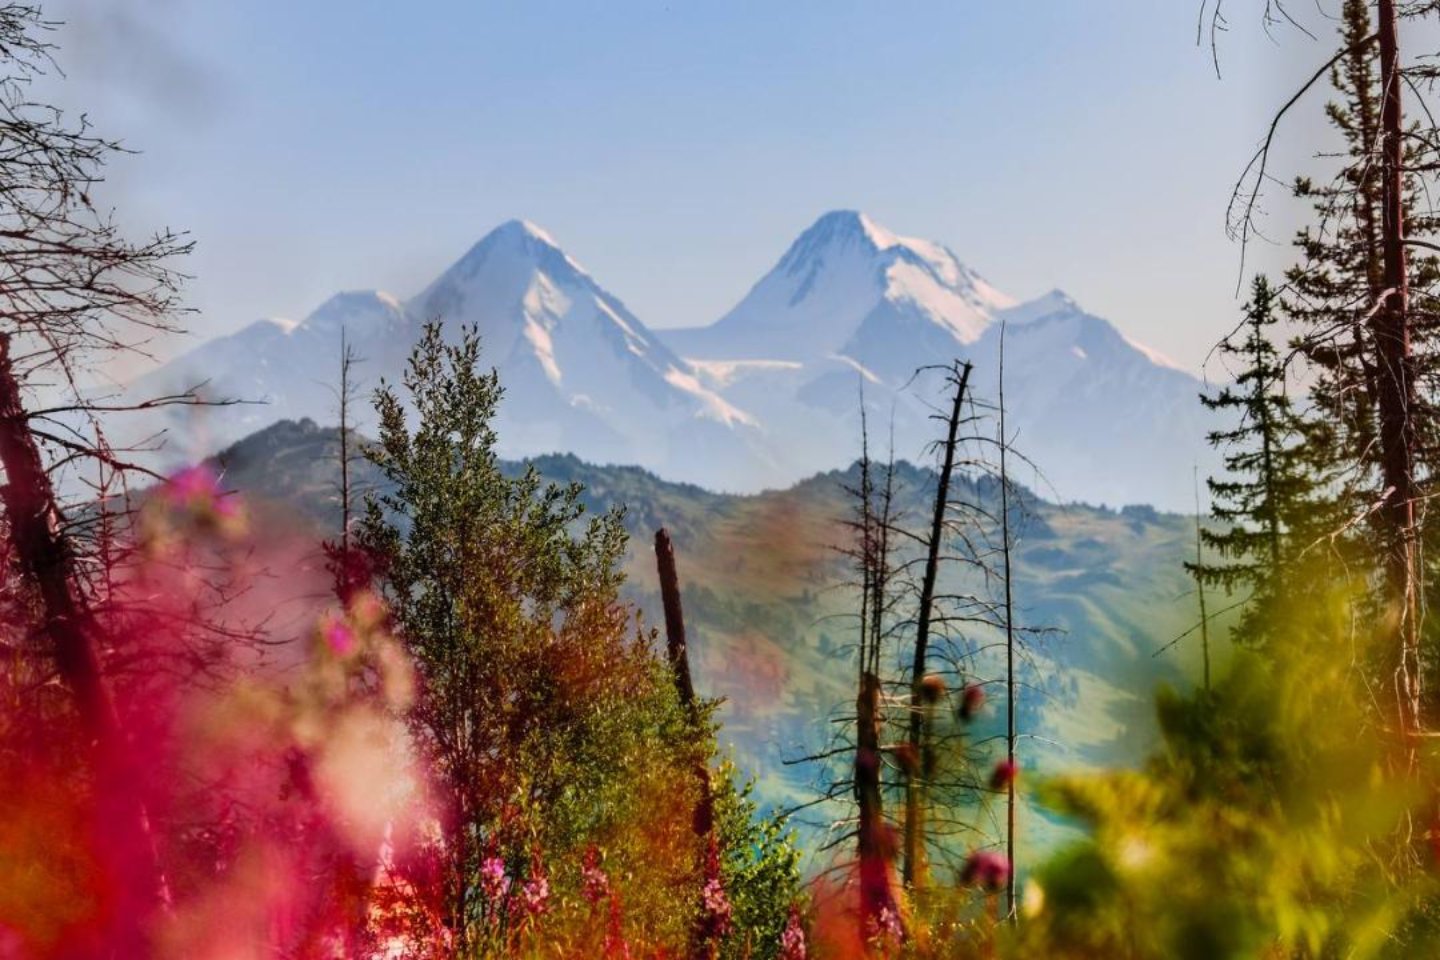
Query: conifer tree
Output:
(1333,292)
(1266,500)
(1365,305)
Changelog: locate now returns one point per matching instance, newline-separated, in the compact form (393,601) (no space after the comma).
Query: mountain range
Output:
(769,393)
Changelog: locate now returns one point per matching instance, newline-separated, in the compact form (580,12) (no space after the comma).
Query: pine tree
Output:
(1366,310)
(1332,293)
(1266,501)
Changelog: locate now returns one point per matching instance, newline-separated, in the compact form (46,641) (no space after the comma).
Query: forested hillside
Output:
(771,621)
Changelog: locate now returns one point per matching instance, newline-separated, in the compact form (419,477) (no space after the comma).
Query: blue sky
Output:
(676,148)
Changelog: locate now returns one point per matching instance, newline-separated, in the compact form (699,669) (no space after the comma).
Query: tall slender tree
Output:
(74,294)
(1012,732)
(1365,312)
(1266,501)
(345,562)
(913,868)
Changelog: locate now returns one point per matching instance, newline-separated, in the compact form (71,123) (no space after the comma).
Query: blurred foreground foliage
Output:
(1279,818)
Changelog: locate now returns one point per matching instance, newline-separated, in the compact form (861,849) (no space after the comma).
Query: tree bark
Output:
(913,867)
(47,564)
(1006,545)
(702,947)
(675,649)
(875,893)
(1397,382)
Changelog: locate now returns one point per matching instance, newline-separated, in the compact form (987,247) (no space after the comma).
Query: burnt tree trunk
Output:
(1396,398)
(875,894)
(675,650)
(45,561)
(702,945)
(1011,732)
(913,868)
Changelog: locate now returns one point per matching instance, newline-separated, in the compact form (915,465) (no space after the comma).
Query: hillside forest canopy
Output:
(335,695)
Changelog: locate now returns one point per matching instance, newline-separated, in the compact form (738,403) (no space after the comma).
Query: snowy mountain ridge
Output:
(767,394)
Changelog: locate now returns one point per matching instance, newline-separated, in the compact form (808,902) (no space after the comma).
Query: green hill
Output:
(770,618)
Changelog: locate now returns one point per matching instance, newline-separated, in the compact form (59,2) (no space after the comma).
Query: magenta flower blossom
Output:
(884,926)
(194,483)
(595,885)
(1004,774)
(535,895)
(792,938)
(340,638)
(988,869)
(716,911)
(972,698)
(197,489)
(716,905)
(494,884)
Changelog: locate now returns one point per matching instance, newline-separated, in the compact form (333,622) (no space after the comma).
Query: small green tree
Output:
(760,865)
(550,725)
(534,693)
(1266,502)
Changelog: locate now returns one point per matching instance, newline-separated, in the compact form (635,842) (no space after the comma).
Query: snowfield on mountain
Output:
(764,396)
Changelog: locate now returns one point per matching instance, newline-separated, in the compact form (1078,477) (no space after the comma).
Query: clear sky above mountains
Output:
(676,149)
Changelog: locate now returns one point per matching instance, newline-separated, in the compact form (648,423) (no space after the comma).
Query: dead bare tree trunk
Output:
(1397,399)
(702,946)
(346,565)
(1005,551)
(347,360)
(913,867)
(875,894)
(675,649)
(45,560)
(1200,581)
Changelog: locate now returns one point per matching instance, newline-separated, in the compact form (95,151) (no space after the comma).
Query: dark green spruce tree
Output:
(1266,504)
(1341,298)
(1333,292)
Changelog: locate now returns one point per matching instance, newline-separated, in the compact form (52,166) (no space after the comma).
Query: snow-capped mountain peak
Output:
(1057,305)
(1046,305)
(839,228)
(845,282)
(765,395)
(362,313)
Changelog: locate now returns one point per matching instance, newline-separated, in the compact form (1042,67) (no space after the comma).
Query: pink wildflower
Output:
(197,490)
(535,892)
(716,911)
(884,926)
(595,885)
(340,638)
(494,884)
(194,484)
(972,698)
(535,895)
(1004,774)
(987,868)
(792,938)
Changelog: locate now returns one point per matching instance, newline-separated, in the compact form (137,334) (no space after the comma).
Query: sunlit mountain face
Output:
(766,395)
